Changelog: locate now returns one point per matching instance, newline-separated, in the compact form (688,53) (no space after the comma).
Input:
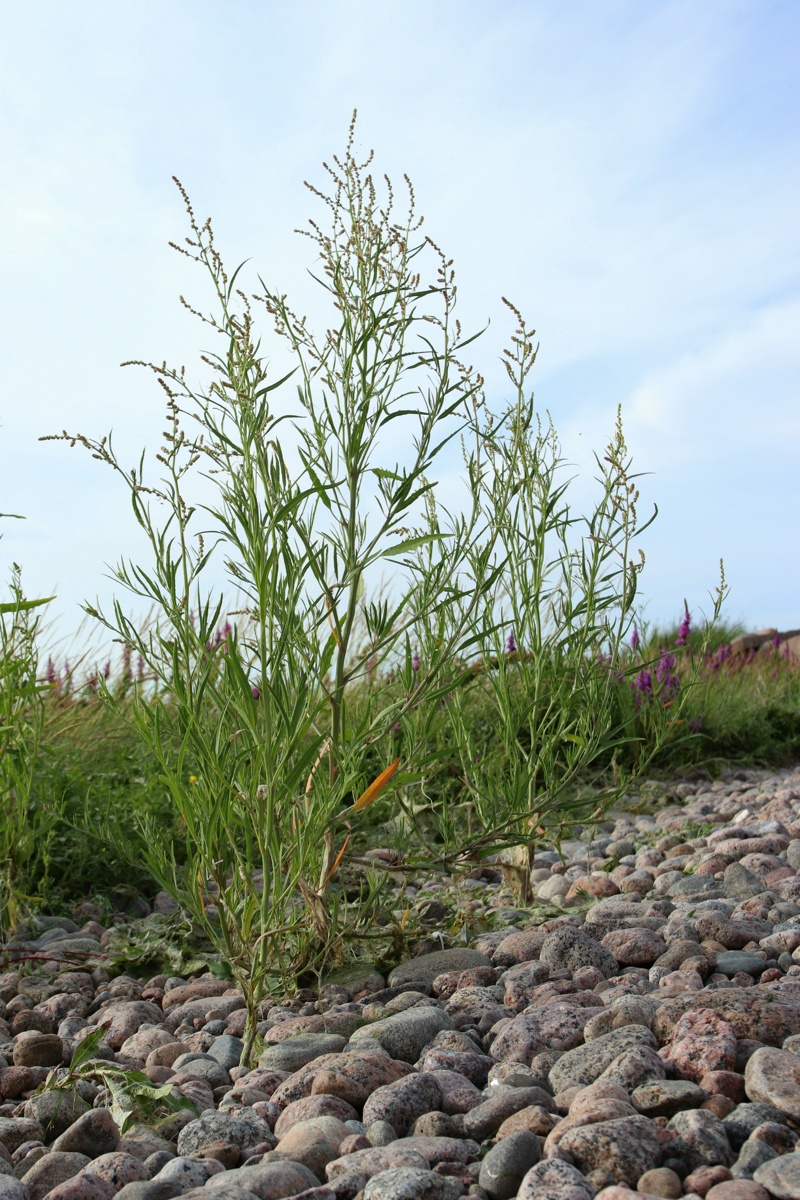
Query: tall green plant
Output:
(274,738)
(23,820)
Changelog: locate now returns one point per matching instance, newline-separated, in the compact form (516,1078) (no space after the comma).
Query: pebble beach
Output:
(643,1041)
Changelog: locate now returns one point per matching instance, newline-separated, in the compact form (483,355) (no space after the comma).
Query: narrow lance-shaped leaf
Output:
(375,788)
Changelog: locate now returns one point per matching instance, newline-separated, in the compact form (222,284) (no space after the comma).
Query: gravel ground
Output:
(644,1041)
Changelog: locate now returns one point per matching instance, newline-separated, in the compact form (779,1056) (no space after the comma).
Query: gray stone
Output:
(666,1097)
(572,948)
(507,1162)
(620,1150)
(404,1034)
(731,961)
(93,1134)
(753,1154)
(408,1183)
(741,884)
(56,1110)
(428,966)
(227,1050)
(703,1140)
(13,1189)
(355,1169)
(781,1177)
(485,1119)
(186,1173)
(553,1179)
(16,1130)
(297,1051)
(381,1133)
(267,1181)
(745,1118)
(774,1077)
(402,1102)
(148,1189)
(243,1130)
(203,1066)
(586,1063)
(56,1167)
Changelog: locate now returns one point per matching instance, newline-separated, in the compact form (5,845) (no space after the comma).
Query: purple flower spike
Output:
(256,693)
(636,640)
(511,644)
(683,631)
(415,661)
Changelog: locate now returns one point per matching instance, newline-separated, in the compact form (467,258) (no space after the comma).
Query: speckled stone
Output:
(781,1177)
(621,1150)
(404,1034)
(409,1183)
(93,1134)
(554,1026)
(702,1137)
(774,1077)
(507,1162)
(586,1063)
(402,1102)
(48,1172)
(572,948)
(428,966)
(555,1180)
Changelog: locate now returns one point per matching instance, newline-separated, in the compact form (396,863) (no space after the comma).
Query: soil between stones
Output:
(645,1041)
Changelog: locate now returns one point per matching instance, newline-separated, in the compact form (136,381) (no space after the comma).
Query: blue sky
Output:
(627,173)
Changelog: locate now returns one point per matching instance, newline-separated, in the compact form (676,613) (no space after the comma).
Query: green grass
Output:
(95,766)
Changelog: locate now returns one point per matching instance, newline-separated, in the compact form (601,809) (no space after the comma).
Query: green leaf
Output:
(23,605)
(414,544)
(85,1050)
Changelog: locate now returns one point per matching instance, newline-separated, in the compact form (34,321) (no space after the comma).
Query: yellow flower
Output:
(192,779)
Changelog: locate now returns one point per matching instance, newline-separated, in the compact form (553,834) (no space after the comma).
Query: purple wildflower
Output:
(140,667)
(684,628)
(636,640)
(695,724)
(107,670)
(50,675)
(395,727)
(776,641)
(256,692)
(415,661)
(127,651)
(511,644)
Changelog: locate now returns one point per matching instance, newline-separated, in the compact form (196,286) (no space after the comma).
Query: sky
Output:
(627,173)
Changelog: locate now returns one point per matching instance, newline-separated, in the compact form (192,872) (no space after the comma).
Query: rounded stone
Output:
(660,1181)
(404,1035)
(507,1162)
(50,1171)
(402,1102)
(428,966)
(774,1076)
(781,1177)
(38,1050)
(94,1133)
(572,948)
(296,1052)
(553,1179)
(56,1110)
(408,1183)
(245,1129)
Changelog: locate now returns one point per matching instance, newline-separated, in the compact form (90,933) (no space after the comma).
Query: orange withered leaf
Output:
(375,788)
